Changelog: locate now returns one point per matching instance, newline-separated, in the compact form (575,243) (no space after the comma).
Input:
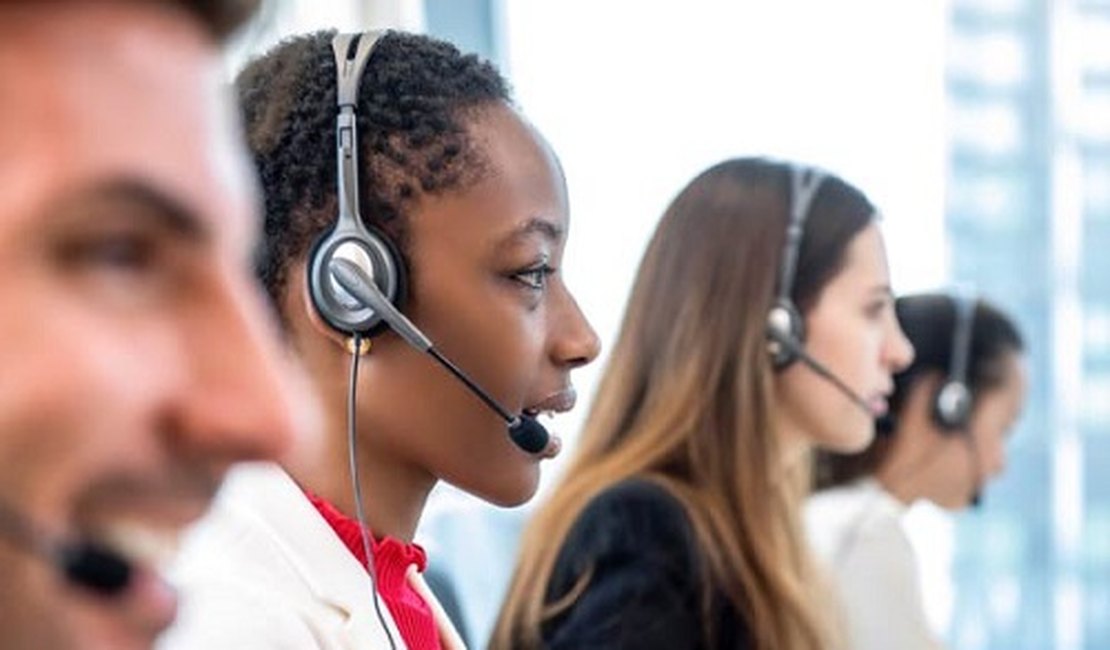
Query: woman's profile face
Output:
(486,287)
(996,413)
(966,470)
(853,331)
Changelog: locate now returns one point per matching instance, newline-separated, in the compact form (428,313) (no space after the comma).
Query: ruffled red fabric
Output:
(392,559)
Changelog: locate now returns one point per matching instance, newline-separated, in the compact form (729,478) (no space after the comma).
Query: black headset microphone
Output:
(85,564)
(801,355)
(525,431)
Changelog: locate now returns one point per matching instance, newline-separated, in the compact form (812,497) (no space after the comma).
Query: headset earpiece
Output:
(784,320)
(376,257)
(351,239)
(952,404)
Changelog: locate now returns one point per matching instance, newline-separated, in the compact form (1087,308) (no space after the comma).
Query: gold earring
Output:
(363,346)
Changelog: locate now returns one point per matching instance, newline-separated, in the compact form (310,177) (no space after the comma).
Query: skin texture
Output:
(479,290)
(138,358)
(853,331)
(948,468)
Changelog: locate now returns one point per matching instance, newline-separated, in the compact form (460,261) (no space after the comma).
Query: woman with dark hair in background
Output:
(950,414)
(760,324)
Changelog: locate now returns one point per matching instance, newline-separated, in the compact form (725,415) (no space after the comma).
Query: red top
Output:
(392,559)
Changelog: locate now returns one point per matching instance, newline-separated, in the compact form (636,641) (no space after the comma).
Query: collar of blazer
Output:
(265,494)
(268,495)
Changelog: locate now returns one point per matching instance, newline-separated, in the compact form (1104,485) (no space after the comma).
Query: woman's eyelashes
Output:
(534,277)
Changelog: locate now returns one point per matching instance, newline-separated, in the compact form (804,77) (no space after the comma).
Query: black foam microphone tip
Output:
(528,434)
(885,425)
(96,568)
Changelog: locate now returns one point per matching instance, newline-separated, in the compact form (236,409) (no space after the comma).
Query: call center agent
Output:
(441,219)
(137,357)
(950,414)
(760,324)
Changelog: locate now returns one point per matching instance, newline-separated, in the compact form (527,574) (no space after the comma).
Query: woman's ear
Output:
(917,409)
(301,313)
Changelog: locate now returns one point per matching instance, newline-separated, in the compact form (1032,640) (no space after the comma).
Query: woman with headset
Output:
(415,226)
(760,324)
(943,439)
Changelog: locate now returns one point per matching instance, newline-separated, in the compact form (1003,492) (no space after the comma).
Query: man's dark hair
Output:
(415,99)
(220,18)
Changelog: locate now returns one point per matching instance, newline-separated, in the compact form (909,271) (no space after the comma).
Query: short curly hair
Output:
(416,98)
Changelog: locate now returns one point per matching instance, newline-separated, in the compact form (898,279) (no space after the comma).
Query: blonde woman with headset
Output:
(761,324)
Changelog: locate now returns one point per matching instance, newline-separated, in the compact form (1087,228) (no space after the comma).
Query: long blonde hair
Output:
(687,401)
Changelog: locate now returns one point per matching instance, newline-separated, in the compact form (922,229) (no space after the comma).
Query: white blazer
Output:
(264,571)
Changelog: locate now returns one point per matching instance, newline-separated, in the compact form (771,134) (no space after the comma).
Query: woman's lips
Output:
(559,402)
(879,406)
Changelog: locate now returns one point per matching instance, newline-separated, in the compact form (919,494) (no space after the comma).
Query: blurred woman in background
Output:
(950,414)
